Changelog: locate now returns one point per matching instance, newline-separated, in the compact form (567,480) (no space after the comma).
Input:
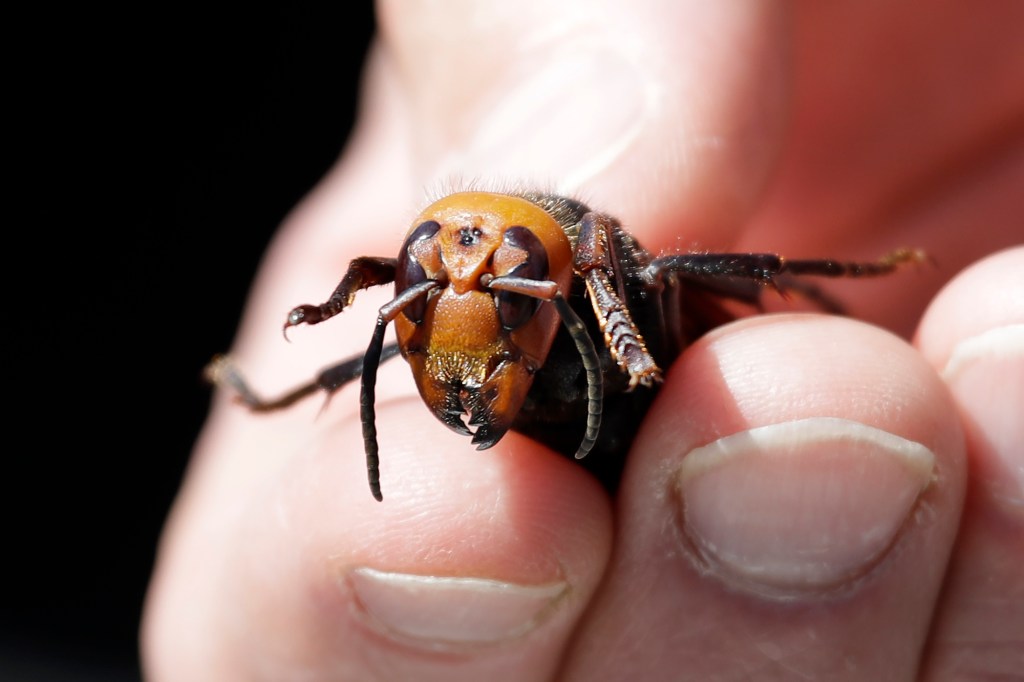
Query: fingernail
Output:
(986,374)
(580,112)
(443,611)
(800,506)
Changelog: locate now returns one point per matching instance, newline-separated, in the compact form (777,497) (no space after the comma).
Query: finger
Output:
(974,335)
(787,511)
(476,564)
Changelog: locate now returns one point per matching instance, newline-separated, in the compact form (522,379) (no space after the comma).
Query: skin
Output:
(811,129)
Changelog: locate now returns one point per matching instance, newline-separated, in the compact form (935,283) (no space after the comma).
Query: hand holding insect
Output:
(792,504)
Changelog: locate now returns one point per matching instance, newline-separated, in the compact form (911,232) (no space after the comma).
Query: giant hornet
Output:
(531,311)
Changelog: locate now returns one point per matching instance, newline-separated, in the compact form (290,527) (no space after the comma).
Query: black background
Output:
(154,157)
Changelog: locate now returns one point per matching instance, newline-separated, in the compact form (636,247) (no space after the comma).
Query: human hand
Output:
(836,130)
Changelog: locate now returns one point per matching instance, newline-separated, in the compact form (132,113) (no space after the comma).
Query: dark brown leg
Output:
(363,273)
(222,372)
(742,276)
(597,264)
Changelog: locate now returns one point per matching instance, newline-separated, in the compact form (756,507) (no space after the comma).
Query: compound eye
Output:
(409,271)
(514,310)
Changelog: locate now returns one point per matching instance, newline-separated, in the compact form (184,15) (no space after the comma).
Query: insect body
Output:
(530,311)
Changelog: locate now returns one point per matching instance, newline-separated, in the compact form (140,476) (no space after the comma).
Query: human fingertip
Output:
(804,505)
(973,333)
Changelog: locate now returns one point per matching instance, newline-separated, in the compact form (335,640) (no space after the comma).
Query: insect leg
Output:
(742,276)
(222,372)
(596,262)
(363,272)
(368,392)
(833,268)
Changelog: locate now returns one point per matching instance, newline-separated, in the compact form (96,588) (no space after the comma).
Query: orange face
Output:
(473,349)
